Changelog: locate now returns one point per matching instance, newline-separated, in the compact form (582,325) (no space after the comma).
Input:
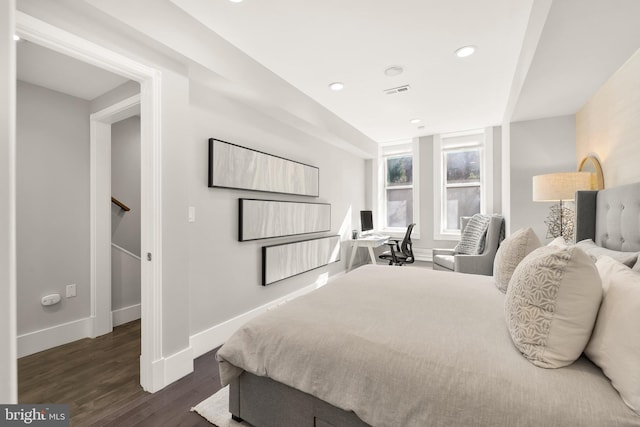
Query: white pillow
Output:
(615,343)
(627,258)
(637,266)
(511,251)
(551,305)
(607,267)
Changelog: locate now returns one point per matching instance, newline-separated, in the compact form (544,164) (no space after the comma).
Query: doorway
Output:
(41,33)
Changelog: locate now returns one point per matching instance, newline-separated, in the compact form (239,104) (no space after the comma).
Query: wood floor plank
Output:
(99,379)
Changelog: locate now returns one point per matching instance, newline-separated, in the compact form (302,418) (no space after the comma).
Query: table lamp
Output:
(560,187)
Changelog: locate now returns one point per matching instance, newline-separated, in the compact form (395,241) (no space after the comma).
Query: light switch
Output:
(192,214)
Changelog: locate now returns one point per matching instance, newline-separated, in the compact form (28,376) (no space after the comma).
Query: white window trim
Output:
(461,139)
(379,192)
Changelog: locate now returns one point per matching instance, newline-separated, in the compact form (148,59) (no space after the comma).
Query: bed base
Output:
(263,402)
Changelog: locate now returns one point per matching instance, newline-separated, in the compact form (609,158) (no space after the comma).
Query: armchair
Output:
(400,253)
(451,260)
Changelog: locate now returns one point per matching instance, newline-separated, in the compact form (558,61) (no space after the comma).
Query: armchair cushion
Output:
(474,235)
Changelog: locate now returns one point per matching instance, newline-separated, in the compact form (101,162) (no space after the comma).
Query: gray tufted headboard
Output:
(610,217)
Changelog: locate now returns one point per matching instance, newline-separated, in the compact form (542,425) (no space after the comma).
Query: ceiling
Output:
(528,64)
(311,44)
(44,67)
(583,43)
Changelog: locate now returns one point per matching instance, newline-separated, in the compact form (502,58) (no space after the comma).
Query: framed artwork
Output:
(264,219)
(290,259)
(233,166)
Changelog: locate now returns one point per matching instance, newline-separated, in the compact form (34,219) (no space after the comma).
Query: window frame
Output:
(398,149)
(460,141)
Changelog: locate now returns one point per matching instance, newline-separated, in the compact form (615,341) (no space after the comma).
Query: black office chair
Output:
(400,253)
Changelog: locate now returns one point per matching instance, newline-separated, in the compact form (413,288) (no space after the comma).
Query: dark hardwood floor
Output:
(99,379)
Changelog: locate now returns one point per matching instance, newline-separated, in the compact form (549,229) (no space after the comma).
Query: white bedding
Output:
(408,346)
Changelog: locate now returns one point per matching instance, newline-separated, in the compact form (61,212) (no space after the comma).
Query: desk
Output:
(368,242)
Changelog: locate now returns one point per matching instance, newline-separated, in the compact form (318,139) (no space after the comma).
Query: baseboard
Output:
(44,339)
(178,365)
(423,254)
(205,341)
(126,315)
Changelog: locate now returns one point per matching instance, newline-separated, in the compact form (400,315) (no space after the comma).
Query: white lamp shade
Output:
(560,186)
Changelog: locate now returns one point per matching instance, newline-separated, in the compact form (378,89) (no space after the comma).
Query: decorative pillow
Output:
(615,343)
(627,258)
(512,250)
(637,266)
(551,305)
(474,235)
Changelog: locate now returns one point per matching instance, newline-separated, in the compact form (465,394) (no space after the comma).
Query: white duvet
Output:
(408,346)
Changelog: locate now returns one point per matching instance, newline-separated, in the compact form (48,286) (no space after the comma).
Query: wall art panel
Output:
(263,219)
(233,166)
(290,259)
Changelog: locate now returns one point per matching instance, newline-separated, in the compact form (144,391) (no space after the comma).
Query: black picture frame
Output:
(280,218)
(237,167)
(295,258)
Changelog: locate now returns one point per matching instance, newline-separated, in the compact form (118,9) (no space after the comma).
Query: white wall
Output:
(8,364)
(608,125)
(122,92)
(538,147)
(225,275)
(125,226)
(207,276)
(125,183)
(52,205)
(125,286)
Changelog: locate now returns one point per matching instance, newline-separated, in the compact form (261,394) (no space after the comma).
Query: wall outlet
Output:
(71,290)
(50,299)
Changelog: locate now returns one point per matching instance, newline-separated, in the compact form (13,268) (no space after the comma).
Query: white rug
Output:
(215,409)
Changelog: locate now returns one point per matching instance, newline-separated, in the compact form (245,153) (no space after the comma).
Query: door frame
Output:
(100,210)
(150,79)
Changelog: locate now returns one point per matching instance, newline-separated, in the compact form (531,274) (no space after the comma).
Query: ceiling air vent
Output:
(399,89)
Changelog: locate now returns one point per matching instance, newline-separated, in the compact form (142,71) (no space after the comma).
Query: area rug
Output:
(215,409)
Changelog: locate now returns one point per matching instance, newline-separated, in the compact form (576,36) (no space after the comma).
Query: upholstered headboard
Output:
(610,217)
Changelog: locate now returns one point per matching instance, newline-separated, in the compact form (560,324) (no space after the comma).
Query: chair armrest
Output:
(394,246)
(443,252)
(475,264)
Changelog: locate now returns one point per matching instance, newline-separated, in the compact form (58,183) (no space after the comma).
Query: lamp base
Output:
(560,222)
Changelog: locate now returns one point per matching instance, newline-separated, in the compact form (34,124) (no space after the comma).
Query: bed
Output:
(409,346)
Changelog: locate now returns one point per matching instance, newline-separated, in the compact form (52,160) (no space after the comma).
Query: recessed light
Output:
(394,70)
(16,37)
(415,121)
(465,51)
(336,86)
(235,1)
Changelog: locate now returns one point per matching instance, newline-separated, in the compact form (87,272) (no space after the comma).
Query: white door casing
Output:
(100,211)
(44,34)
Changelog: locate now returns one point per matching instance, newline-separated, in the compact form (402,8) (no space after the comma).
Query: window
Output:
(398,193)
(399,190)
(462,185)
(462,179)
